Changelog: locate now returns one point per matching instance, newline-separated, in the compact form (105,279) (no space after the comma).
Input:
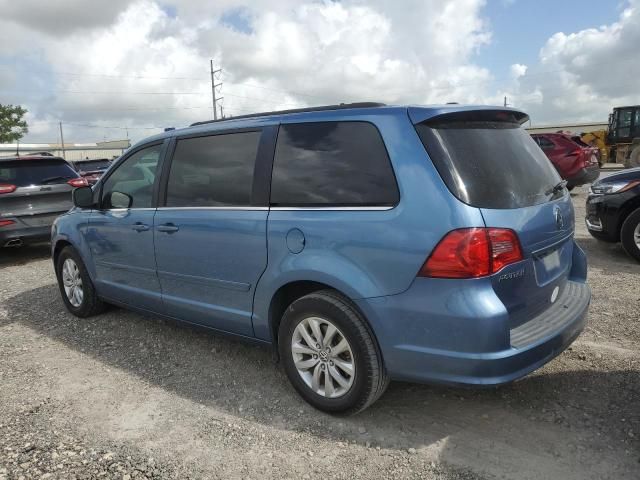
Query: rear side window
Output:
(215,170)
(23,173)
(489,163)
(332,164)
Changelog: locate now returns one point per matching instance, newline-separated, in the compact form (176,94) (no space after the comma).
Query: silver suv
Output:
(34,190)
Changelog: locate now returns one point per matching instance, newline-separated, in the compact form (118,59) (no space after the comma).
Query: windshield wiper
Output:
(556,188)
(53,179)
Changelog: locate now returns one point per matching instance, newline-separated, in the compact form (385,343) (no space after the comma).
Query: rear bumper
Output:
(583,176)
(20,234)
(415,355)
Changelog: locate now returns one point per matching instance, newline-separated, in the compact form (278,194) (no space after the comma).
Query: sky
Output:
(129,68)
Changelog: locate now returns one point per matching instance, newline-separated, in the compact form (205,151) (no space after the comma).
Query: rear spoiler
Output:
(462,113)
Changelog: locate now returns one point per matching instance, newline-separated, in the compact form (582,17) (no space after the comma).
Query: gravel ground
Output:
(125,396)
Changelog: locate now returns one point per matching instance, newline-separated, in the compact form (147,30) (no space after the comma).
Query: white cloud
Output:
(583,75)
(286,54)
(518,70)
(293,54)
(60,17)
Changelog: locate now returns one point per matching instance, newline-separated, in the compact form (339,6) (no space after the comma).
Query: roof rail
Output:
(342,106)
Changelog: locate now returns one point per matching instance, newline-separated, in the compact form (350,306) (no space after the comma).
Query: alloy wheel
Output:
(323,357)
(72,282)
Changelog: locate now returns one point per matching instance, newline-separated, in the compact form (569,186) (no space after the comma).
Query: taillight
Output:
(78,182)
(7,188)
(472,253)
(577,153)
(4,223)
(505,248)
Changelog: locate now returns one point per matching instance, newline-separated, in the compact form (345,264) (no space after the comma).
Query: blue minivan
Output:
(363,242)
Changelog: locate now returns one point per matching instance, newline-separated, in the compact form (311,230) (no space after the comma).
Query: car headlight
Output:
(613,187)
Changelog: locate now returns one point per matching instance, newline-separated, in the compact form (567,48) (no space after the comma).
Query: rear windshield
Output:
(23,173)
(489,164)
(92,165)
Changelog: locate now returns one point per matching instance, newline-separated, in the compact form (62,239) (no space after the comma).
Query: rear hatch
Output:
(487,160)
(36,190)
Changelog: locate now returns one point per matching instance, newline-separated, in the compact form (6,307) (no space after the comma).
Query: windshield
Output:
(88,165)
(23,173)
(490,164)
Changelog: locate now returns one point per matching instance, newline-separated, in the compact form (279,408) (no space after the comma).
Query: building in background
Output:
(573,128)
(73,152)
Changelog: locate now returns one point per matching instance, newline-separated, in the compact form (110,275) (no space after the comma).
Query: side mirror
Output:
(120,200)
(83,197)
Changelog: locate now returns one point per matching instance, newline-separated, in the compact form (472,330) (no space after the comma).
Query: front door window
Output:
(131,184)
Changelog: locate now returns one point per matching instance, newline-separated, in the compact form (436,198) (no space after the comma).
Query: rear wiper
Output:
(556,188)
(53,179)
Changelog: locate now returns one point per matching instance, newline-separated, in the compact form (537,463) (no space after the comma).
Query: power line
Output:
(88,125)
(121,92)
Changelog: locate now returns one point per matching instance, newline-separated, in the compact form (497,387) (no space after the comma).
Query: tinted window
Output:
(23,173)
(92,165)
(134,177)
(624,122)
(544,142)
(332,163)
(489,164)
(213,171)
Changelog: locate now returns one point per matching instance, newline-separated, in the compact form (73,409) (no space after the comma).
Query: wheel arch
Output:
(627,209)
(289,292)
(59,245)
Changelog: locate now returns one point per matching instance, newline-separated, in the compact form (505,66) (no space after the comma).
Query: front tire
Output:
(630,234)
(330,355)
(78,292)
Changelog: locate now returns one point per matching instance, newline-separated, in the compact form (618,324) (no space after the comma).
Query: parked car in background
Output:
(362,242)
(34,190)
(92,170)
(575,161)
(613,210)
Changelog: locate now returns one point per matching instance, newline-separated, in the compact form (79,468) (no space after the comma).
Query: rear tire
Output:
(630,234)
(78,292)
(330,317)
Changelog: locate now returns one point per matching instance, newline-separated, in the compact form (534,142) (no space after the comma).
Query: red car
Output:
(575,161)
(92,170)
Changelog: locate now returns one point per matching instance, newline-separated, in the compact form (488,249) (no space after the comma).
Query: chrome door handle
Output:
(167,228)
(140,227)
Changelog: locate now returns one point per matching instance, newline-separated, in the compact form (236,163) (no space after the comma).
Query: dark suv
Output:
(34,190)
(613,210)
(92,170)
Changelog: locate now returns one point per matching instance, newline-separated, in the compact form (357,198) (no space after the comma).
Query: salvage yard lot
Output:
(125,396)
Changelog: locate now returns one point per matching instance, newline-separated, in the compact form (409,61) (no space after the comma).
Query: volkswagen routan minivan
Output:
(364,242)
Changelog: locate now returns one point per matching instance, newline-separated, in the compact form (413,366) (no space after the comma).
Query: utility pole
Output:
(213,89)
(64,154)
(505,101)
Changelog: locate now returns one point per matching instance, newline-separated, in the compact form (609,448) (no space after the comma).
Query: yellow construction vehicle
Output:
(620,143)
(598,139)
(623,137)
